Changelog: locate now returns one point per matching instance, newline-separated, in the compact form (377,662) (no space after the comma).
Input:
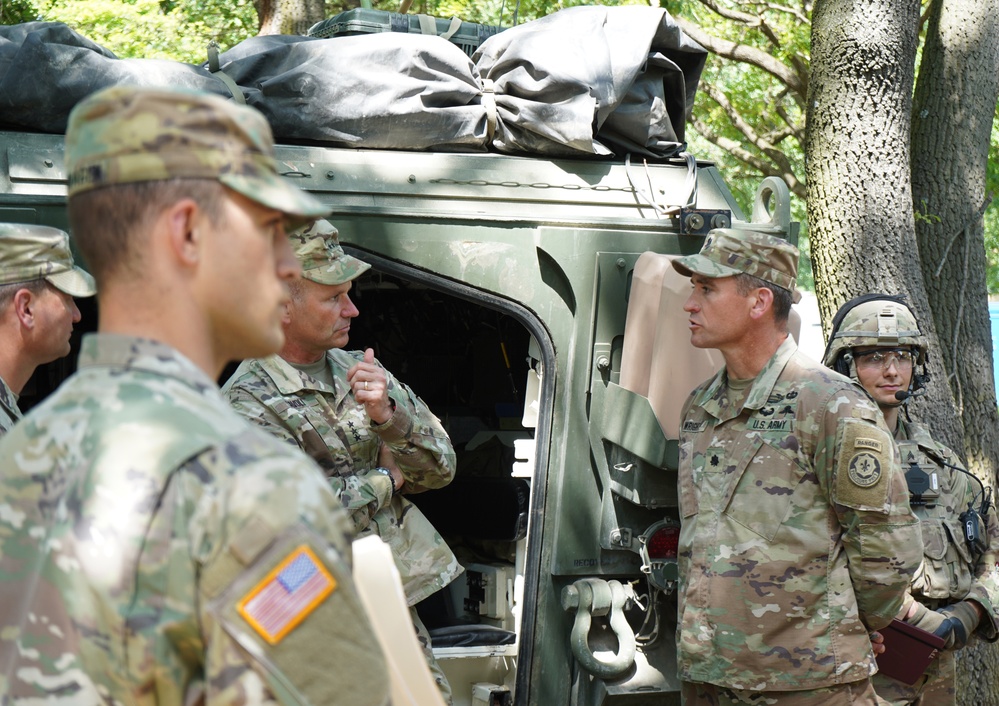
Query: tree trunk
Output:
(953,108)
(857,150)
(288,16)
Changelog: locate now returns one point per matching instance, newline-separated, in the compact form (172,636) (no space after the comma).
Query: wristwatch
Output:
(388,474)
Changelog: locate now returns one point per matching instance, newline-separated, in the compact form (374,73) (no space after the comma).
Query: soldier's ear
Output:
(24,301)
(185,223)
(763,301)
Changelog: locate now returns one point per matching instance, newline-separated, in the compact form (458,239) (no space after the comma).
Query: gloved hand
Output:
(930,621)
(960,621)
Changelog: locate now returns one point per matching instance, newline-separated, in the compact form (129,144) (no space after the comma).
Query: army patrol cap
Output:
(727,252)
(127,134)
(32,252)
(317,247)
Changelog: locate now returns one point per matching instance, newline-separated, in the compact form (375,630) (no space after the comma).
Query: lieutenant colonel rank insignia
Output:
(286,596)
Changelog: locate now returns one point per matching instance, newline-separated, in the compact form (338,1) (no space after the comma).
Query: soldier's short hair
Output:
(7,291)
(782,297)
(104,220)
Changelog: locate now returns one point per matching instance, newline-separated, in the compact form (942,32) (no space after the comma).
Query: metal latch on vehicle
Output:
(591,598)
(698,221)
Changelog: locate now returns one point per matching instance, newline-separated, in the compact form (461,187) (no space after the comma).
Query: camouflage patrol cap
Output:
(323,260)
(32,252)
(727,252)
(128,134)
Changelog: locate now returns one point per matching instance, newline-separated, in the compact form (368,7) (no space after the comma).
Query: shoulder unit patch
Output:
(866,460)
(286,596)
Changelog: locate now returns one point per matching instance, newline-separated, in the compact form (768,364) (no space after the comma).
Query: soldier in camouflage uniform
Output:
(372,435)
(38,281)
(154,547)
(876,340)
(796,535)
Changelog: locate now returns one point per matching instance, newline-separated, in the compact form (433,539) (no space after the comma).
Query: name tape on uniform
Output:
(286,596)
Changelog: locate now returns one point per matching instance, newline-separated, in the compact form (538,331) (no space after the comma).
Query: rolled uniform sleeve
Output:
(859,467)
(985,589)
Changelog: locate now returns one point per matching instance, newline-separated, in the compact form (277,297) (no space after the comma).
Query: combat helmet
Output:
(875,320)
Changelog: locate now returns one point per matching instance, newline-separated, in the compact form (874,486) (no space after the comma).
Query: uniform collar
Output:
(763,384)
(111,350)
(289,380)
(8,401)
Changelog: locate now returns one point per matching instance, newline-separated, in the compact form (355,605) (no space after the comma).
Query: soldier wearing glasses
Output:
(876,340)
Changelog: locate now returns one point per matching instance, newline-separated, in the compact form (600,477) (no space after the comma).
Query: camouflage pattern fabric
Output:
(146,529)
(948,573)
(852,694)
(9,411)
(796,533)
(878,322)
(727,252)
(317,247)
(31,252)
(335,430)
(127,134)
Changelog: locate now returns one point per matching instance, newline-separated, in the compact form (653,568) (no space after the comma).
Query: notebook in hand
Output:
(908,651)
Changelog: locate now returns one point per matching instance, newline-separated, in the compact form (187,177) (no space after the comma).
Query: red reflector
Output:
(663,543)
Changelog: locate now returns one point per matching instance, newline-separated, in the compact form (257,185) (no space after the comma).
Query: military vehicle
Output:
(530,302)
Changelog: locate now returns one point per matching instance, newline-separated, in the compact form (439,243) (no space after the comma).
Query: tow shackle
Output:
(596,597)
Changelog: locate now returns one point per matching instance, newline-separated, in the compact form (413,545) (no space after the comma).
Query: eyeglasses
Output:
(884,357)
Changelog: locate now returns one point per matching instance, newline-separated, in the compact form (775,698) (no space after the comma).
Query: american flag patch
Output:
(287,595)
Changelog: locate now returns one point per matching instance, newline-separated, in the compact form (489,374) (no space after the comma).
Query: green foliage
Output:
(924,216)
(772,113)
(14,12)
(178,30)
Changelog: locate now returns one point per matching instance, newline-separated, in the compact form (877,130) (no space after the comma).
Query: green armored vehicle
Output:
(530,302)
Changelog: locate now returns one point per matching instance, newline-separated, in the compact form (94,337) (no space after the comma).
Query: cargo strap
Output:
(489,103)
(428,25)
(213,67)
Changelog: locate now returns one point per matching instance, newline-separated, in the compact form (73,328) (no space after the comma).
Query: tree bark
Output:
(953,108)
(288,16)
(857,145)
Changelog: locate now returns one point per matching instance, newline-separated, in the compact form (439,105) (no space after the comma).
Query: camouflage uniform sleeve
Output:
(362,495)
(859,467)
(273,532)
(258,413)
(419,443)
(985,589)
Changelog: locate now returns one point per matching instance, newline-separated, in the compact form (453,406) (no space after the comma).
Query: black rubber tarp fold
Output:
(585,81)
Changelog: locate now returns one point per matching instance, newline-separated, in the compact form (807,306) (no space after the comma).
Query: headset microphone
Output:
(903,395)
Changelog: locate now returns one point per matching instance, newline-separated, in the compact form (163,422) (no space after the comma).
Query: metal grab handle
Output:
(589,597)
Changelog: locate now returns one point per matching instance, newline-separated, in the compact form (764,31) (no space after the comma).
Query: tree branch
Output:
(762,166)
(798,15)
(746,55)
(763,145)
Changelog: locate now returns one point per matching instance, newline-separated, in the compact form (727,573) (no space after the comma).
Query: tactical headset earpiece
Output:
(843,363)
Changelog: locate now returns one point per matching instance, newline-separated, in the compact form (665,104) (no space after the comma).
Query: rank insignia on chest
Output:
(692,427)
(784,425)
(286,596)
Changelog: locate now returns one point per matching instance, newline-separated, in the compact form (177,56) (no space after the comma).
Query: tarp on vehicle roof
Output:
(582,81)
